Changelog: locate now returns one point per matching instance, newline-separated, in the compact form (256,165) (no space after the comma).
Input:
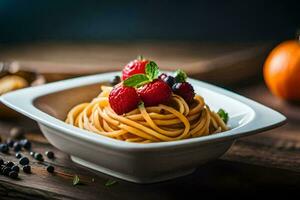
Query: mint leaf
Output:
(136,80)
(76,180)
(110,183)
(151,70)
(223,115)
(180,76)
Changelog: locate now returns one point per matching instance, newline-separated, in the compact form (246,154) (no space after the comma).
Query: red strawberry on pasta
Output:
(155,92)
(123,99)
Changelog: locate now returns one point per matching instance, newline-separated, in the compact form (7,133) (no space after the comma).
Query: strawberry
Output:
(185,90)
(123,99)
(155,92)
(134,67)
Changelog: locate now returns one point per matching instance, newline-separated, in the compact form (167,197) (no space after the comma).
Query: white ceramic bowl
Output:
(141,163)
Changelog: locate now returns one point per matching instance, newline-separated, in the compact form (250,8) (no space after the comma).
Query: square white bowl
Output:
(144,163)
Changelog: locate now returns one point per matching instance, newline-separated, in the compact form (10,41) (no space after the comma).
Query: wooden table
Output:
(268,162)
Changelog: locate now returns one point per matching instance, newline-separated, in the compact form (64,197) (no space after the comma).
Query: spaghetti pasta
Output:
(161,123)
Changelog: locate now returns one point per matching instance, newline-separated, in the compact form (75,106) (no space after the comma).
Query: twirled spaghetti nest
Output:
(171,122)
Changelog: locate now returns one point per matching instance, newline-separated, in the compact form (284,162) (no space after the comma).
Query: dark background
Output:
(207,20)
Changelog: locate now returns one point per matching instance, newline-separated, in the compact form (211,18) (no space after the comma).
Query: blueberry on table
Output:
(1,161)
(38,157)
(9,164)
(26,144)
(10,143)
(49,154)
(13,174)
(24,161)
(17,146)
(18,155)
(15,168)
(4,148)
(6,170)
(27,169)
(50,169)
(32,153)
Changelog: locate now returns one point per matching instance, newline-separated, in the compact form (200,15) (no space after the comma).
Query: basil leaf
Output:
(180,76)
(223,115)
(152,70)
(136,80)
(76,180)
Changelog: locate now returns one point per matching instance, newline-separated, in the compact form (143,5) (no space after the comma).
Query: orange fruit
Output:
(282,70)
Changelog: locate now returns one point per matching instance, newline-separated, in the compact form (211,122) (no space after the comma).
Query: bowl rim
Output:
(264,118)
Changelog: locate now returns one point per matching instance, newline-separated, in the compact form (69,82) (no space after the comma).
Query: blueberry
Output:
(26,144)
(13,174)
(24,161)
(27,169)
(6,170)
(1,161)
(115,80)
(170,80)
(18,155)
(32,153)
(4,148)
(50,169)
(10,143)
(38,157)
(162,76)
(9,164)
(17,146)
(15,168)
(49,154)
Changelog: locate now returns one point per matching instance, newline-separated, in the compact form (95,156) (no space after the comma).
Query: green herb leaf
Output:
(152,70)
(141,104)
(136,80)
(76,180)
(180,76)
(110,182)
(224,115)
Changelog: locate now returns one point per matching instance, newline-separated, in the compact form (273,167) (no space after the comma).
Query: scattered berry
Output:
(4,148)
(13,174)
(6,171)
(10,143)
(50,168)
(123,99)
(17,146)
(134,67)
(32,153)
(1,161)
(15,168)
(24,161)
(49,154)
(116,80)
(185,90)
(38,156)
(155,92)
(27,169)
(26,144)
(18,155)
(9,164)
